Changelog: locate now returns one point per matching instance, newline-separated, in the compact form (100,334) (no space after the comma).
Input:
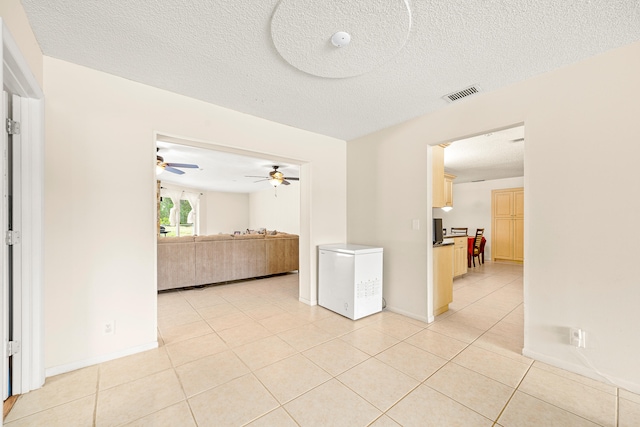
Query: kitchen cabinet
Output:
(437,184)
(448,189)
(459,255)
(507,212)
(442,278)
(442,183)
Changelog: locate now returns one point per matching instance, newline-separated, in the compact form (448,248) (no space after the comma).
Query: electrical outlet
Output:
(578,337)
(109,328)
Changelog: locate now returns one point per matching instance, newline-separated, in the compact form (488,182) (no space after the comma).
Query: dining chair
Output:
(478,247)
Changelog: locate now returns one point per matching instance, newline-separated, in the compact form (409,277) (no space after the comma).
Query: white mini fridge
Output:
(350,279)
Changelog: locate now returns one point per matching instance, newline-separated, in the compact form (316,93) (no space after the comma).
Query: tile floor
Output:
(249,353)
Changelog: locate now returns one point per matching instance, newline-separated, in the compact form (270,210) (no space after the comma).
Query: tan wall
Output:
(14,17)
(100,228)
(387,179)
(580,155)
(280,213)
(225,212)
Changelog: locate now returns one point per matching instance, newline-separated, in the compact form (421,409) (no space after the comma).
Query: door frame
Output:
(430,264)
(307,290)
(18,79)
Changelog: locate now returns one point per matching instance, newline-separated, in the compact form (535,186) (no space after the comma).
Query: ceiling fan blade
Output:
(291,178)
(260,180)
(173,170)
(285,182)
(182,165)
(254,176)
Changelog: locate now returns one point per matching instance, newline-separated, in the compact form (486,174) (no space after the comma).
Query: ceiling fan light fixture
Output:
(275,181)
(159,169)
(276,177)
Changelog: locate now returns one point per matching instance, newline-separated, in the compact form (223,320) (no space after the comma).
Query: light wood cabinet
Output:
(442,278)
(437,187)
(507,211)
(448,189)
(459,256)
(442,183)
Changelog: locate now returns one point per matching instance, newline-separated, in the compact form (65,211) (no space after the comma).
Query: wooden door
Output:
(460,256)
(503,204)
(448,189)
(442,278)
(507,241)
(518,204)
(518,225)
(518,239)
(502,246)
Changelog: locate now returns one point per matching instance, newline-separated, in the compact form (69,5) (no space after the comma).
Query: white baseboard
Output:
(582,370)
(408,314)
(61,369)
(308,302)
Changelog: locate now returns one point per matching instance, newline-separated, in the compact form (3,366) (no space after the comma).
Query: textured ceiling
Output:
(300,30)
(491,156)
(268,58)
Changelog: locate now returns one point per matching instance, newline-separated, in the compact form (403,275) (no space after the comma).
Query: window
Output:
(177,220)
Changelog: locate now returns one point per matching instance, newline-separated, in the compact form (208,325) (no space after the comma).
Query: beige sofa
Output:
(201,260)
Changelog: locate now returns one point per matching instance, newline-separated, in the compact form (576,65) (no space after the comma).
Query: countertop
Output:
(444,243)
(448,239)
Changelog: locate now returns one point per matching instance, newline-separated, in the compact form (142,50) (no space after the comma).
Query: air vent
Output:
(455,96)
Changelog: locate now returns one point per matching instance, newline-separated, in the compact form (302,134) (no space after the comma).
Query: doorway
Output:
(22,193)
(234,178)
(479,164)
(490,161)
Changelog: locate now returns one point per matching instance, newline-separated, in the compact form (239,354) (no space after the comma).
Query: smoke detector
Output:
(340,39)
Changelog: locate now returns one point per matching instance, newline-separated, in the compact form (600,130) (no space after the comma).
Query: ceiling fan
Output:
(275,177)
(162,166)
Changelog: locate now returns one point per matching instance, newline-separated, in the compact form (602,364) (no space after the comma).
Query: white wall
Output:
(280,213)
(381,209)
(472,207)
(100,233)
(224,212)
(580,154)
